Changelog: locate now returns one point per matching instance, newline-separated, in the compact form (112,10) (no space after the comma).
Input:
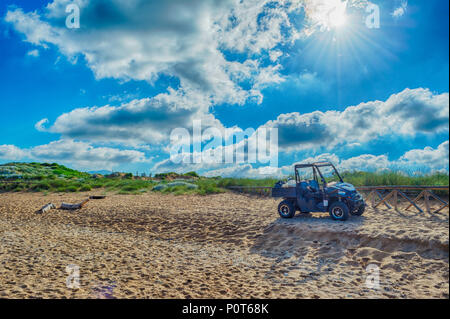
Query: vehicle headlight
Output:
(341,193)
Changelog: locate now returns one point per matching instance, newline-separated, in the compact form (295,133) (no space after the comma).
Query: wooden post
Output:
(372,195)
(426,196)
(395,199)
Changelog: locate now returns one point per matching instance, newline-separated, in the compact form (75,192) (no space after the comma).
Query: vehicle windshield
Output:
(330,174)
(315,172)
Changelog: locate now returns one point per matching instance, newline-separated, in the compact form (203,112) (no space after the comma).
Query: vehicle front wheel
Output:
(339,211)
(359,211)
(286,209)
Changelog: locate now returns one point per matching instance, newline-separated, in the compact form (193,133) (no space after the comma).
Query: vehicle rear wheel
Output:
(359,211)
(286,209)
(339,211)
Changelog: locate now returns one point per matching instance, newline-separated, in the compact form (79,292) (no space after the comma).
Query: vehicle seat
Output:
(303,185)
(314,185)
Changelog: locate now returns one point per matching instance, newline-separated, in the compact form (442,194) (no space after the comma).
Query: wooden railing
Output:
(377,195)
(395,192)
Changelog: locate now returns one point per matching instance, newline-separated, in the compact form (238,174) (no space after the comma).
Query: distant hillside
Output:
(38,171)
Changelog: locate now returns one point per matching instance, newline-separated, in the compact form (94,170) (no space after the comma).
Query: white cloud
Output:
(77,154)
(435,159)
(40,125)
(422,160)
(404,114)
(401,10)
(33,53)
(140,40)
(368,162)
(11,152)
(275,54)
(253,26)
(146,121)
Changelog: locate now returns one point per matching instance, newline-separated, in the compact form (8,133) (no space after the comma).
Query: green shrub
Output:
(71,188)
(61,189)
(130,188)
(57,183)
(41,187)
(192,174)
(96,185)
(85,188)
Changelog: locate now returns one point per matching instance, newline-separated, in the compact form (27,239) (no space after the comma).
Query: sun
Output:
(336,16)
(328,14)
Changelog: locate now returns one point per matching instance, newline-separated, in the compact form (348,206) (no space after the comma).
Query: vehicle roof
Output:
(318,164)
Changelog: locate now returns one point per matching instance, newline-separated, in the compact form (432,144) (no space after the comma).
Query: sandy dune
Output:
(219,246)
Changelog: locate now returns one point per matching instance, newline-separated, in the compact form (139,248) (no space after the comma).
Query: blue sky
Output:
(108,94)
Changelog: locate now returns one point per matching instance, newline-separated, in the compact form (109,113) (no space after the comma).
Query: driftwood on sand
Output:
(46,208)
(73,206)
(67,206)
(97,197)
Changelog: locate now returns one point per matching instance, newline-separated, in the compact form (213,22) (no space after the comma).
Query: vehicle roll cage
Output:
(316,171)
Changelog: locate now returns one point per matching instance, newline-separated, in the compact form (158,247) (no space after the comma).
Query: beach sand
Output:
(217,246)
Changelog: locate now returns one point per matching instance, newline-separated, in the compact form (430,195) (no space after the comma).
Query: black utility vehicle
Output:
(316,195)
